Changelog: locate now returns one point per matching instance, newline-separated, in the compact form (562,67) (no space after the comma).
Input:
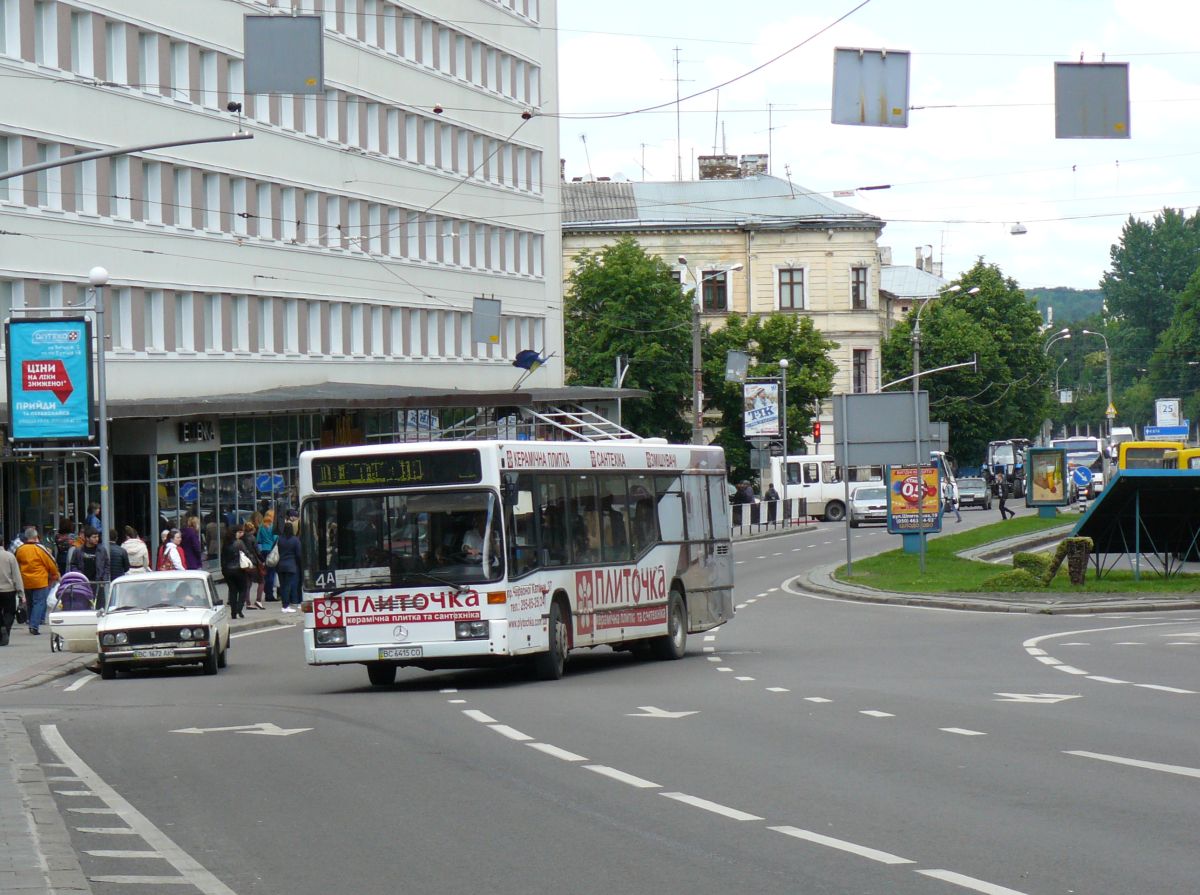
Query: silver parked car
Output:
(868,503)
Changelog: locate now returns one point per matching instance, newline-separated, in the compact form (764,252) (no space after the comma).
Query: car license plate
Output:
(400,652)
(153,653)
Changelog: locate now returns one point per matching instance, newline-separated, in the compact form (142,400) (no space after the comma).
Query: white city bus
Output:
(462,554)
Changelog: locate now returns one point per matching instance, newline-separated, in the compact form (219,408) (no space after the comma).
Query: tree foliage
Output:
(1008,397)
(767,339)
(1175,365)
(621,300)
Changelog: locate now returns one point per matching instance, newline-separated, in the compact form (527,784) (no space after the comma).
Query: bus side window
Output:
(812,474)
(584,513)
(614,521)
(521,521)
(555,524)
(720,506)
(793,473)
(644,518)
(831,472)
(669,494)
(698,525)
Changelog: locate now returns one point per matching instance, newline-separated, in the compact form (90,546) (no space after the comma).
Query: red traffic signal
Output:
(817,432)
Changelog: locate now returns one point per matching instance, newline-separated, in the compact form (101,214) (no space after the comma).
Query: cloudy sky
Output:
(980,157)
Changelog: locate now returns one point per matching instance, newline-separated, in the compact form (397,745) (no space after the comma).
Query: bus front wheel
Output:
(835,511)
(549,665)
(674,644)
(381,674)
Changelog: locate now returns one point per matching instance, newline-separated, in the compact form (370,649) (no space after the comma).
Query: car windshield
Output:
(1090,459)
(870,494)
(410,538)
(970,485)
(154,592)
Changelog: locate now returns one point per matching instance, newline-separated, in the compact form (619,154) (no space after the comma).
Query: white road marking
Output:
(777,554)
(476,715)
(861,850)
(449,690)
(753,599)
(772,590)
(511,733)
(743,679)
(962,731)
(119,853)
(1106,680)
(816,699)
(1043,698)
(262,631)
(1075,643)
(621,776)
(778,690)
(714,807)
(715,659)
(823,543)
(1136,763)
(1070,669)
(1183,643)
(740,562)
(62,779)
(79,682)
(763,594)
(968,882)
(93,810)
(760,557)
(709,638)
(724,668)
(556,752)
(189,869)
(143,880)
(740,606)
(1164,688)
(1048,660)
(456,701)
(1130,643)
(708,649)
(108,831)
(74,792)
(796,549)
(874,713)
(1034,651)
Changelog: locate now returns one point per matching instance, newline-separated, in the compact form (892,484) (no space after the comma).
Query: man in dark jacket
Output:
(118,558)
(91,560)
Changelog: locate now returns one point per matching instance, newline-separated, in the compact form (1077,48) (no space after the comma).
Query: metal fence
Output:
(767,515)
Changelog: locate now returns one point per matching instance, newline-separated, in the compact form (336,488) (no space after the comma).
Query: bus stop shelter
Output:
(1150,514)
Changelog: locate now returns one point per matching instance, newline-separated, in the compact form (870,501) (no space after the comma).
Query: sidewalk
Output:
(821,580)
(28,662)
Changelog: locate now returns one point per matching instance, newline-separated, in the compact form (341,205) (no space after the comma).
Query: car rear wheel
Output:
(108,671)
(835,511)
(674,644)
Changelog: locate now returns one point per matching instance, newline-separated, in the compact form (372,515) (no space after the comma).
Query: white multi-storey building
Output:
(337,253)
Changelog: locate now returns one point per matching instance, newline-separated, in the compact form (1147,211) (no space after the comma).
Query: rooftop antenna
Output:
(716,121)
(787,170)
(770,135)
(678,138)
(724,148)
(587,155)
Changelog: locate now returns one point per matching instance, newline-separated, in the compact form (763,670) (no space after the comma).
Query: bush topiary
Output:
(1036,564)
(1078,549)
(1012,580)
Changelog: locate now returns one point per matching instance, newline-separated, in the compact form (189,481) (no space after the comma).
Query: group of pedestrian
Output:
(255,555)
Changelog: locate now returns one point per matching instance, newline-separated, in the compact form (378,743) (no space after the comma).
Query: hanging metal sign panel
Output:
(49,373)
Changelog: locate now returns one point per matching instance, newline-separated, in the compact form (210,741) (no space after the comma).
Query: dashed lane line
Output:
(969,882)
(714,807)
(962,731)
(621,776)
(1138,763)
(842,845)
(556,752)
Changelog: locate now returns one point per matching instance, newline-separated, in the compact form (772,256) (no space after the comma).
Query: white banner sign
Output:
(761,408)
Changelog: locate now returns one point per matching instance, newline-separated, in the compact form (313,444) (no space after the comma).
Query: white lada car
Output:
(163,618)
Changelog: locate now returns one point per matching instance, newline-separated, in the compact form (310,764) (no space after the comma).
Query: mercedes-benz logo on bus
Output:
(400,632)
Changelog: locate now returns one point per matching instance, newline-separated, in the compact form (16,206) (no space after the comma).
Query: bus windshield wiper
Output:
(458,587)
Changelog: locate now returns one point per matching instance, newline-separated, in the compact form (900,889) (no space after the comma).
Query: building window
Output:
(155,325)
(861,369)
(88,201)
(291,326)
(81,44)
(122,324)
(858,288)
(180,76)
(10,27)
(714,284)
(49,181)
(314,329)
(214,339)
(152,184)
(791,289)
(45,33)
(183,197)
(240,329)
(185,322)
(211,184)
(266,325)
(148,62)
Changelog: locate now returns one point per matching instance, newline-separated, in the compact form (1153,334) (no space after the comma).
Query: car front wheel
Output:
(210,661)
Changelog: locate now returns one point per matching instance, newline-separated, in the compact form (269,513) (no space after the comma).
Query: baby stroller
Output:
(73,620)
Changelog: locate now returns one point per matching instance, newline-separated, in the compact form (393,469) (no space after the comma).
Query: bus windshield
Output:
(401,539)
(1144,458)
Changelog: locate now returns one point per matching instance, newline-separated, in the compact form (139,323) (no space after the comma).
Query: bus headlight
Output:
(331,636)
(471,631)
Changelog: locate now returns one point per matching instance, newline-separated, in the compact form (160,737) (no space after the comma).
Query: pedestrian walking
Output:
(38,572)
(289,568)
(193,553)
(118,558)
(257,572)
(170,552)
(1002,495)
(235,563)
(266,537)
(949,504)
(12,593)
(136,550)
(91,559)
(772,499)
(64,541)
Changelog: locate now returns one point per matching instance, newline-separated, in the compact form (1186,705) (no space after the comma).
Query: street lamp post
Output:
(98,279)
(1061,335)
(783,368)
(697,360)
(1109,412)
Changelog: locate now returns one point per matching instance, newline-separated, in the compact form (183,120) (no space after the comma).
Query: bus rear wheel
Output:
(835,511)
(381,674)
(549,666)
(674,643)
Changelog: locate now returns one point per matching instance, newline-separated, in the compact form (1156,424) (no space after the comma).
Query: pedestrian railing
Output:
(767,515)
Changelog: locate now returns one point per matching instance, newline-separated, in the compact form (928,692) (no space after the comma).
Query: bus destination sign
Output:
(396,471)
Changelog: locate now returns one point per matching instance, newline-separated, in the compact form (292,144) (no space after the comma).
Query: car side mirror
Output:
(218,602)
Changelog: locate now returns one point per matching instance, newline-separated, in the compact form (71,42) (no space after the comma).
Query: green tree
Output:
(767,340)
(1151,265)
(1009,396)
(620,300)
(1174,370)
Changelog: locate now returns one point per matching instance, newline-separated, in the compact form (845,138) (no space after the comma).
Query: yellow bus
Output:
(1187,458)
(1145,454)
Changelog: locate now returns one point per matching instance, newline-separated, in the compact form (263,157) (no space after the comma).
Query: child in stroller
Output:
(75,592)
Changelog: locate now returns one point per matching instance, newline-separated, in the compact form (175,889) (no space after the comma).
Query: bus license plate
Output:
(153,653)
(400,652)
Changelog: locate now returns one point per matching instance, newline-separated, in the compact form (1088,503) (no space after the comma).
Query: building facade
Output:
(344,244)
(755,244)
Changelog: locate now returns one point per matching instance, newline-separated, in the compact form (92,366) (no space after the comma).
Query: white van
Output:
(818,480)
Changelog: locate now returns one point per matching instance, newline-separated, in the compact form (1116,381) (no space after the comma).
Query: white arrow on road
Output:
(1042,698)
(263,728)
(653,711)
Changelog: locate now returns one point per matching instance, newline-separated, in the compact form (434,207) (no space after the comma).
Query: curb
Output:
(38,676)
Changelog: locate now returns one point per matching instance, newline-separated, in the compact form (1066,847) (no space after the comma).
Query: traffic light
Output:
(817,432)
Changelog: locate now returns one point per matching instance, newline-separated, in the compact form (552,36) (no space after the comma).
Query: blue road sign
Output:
(1081,476)
(188,492)
(1173,433)
(269,483)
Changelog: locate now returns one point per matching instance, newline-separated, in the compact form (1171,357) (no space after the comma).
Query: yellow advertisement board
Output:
(1047,477)
(913,499)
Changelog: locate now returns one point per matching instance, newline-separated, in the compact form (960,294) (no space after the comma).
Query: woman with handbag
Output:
(235,563)
(266,539)
(257,572)
(12,594)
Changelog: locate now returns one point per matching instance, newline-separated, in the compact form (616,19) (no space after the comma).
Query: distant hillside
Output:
(1069,304)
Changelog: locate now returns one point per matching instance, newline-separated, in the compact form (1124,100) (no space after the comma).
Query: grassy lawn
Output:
(947,573)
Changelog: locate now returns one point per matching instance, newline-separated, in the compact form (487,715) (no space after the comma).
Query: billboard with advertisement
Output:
(49,373)
(761,408)
(1046,472)
(913,499)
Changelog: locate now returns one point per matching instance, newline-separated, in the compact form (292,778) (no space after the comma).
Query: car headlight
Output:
(470,630)
(122,637)
(108,639)
(331,636)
